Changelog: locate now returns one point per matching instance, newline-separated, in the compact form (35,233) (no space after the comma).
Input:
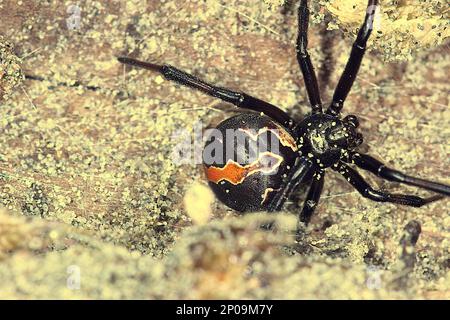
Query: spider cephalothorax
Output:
(328,139)
(299,152)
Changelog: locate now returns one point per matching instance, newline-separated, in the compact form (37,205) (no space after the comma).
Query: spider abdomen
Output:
(246,159)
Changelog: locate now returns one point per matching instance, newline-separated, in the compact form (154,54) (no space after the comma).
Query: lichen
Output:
(10,71)
(228,259)
(87,145)
(401,28)
(198,201)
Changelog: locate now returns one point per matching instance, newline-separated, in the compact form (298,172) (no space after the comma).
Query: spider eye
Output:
(337,135)
(351,120)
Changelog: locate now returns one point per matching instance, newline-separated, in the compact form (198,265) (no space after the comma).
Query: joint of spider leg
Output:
(317,108)
(311,203)
(335,108)
(380,169)
(363,36)
(302,53)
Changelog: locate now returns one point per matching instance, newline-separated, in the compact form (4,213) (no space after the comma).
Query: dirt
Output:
(95,208)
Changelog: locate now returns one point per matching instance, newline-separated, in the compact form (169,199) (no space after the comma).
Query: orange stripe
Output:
(235,173)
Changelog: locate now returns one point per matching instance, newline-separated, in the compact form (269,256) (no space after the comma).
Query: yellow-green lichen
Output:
(401,28)
(88,145)
(229,259)
(10,71)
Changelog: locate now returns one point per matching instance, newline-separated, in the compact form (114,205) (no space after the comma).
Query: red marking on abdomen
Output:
(235,173)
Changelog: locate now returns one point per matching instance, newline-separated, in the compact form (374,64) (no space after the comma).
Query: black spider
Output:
(321,140)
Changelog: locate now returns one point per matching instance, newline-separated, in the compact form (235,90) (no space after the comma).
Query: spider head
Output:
(344,135)
(326,139)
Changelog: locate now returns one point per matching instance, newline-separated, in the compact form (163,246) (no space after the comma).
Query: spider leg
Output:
(312,199)
(302,171)
(371,164)
(358,182)
(354,62)
(239,99)
(304,60)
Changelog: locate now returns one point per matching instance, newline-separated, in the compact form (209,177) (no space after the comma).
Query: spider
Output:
(307,148)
